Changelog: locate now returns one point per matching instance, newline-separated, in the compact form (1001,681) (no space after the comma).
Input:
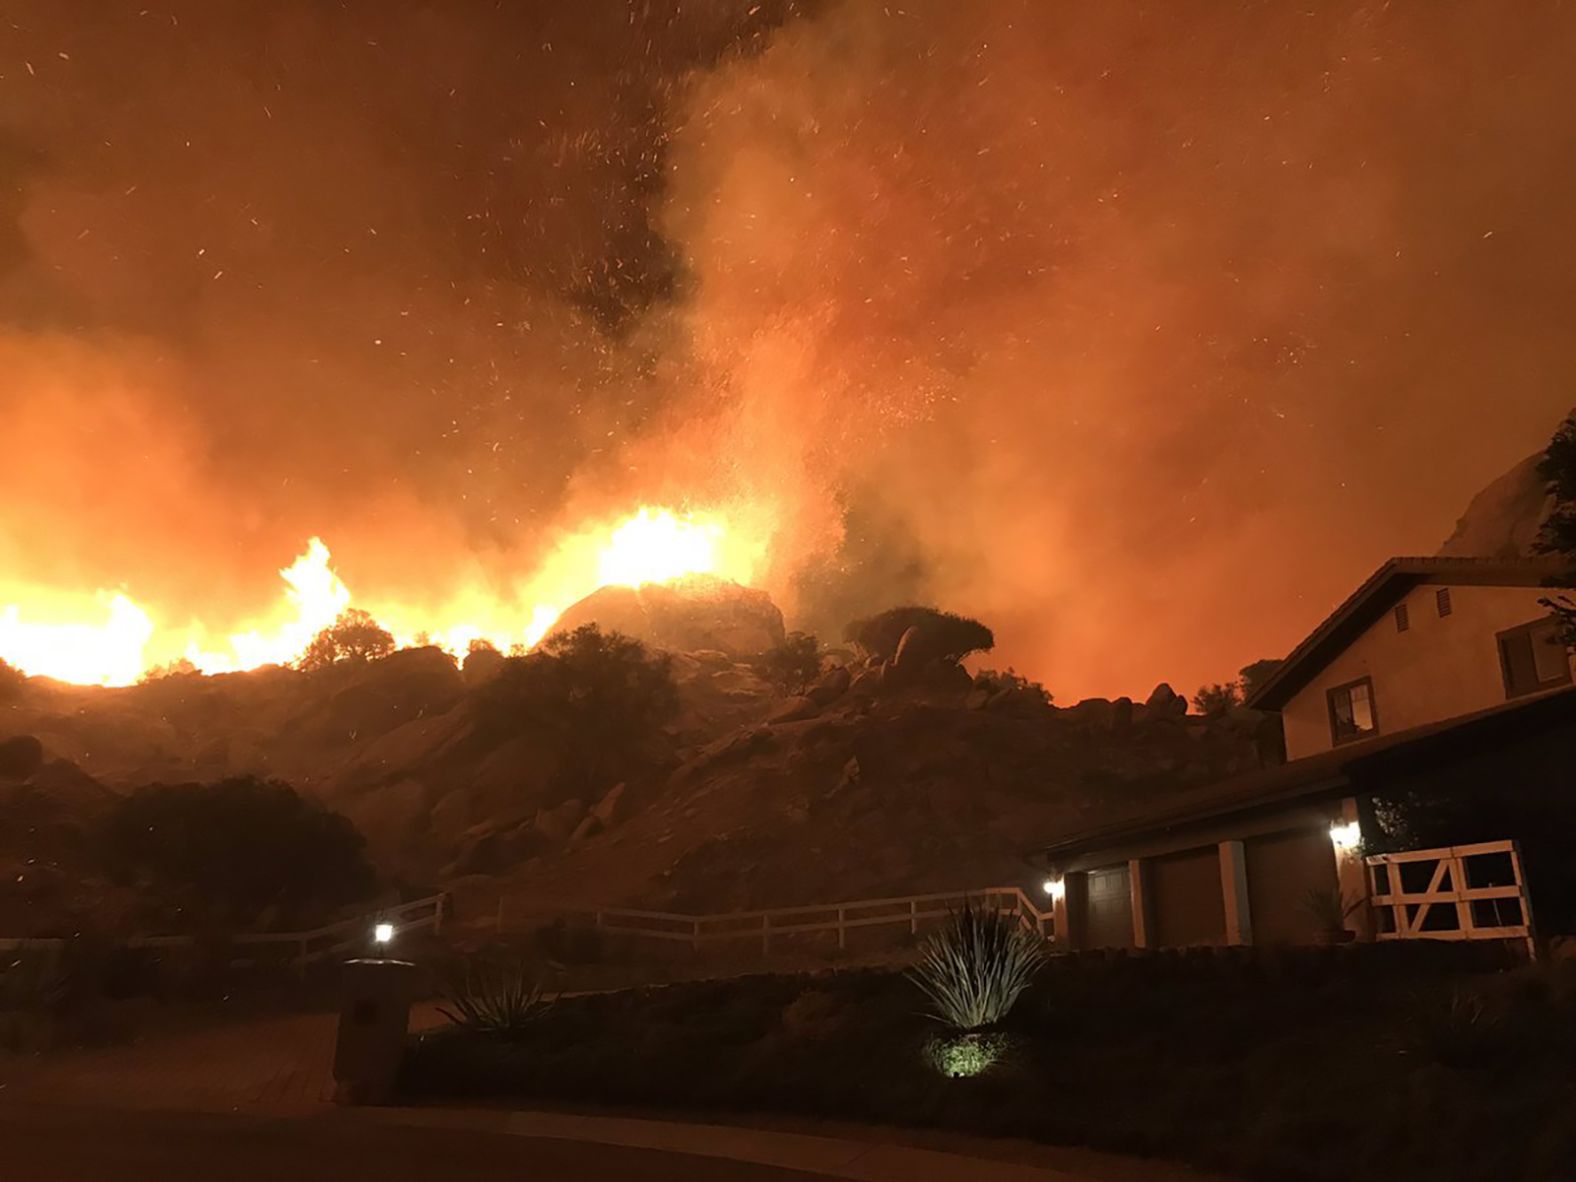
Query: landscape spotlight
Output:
(1056,888)
(1346,836)
(382,933)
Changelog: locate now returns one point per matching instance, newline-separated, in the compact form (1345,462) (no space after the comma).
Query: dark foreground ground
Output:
(1299,1066)
(64,1145)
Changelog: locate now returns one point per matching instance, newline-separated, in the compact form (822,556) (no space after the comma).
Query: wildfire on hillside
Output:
(111,639)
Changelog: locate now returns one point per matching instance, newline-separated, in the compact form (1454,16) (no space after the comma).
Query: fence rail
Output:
(1450,907)
(776,922)
(316,944)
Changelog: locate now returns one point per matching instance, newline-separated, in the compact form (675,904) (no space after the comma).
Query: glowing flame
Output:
(649,546)
(110,653)
(314,597)
(656,547)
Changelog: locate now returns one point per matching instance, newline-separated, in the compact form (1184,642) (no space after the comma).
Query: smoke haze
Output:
(1142,332)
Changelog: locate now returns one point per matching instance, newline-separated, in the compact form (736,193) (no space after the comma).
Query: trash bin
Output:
(374,1018)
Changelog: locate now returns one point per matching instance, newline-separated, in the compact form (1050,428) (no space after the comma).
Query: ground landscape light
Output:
(1056,888)
(1346,835)
(382,933)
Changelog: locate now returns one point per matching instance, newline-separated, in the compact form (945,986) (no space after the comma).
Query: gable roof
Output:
(1339,772)
(1381,591)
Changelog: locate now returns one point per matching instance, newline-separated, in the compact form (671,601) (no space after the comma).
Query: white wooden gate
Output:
(1458,892)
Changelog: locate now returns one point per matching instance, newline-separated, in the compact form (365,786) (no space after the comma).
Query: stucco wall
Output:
(1439,668)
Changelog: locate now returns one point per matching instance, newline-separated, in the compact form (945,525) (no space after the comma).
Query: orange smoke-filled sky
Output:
(1141,331)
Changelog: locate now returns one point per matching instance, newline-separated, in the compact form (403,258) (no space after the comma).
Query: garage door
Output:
(1110,909)
(1185,899)
(1282,869)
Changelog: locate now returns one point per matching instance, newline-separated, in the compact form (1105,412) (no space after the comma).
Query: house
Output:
(1437,675)
(1421,641)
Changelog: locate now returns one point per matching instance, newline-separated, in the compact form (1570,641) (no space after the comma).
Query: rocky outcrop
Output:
(697,613)
(1502,520)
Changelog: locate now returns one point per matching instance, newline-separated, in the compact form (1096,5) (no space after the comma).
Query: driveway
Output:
(77,1145)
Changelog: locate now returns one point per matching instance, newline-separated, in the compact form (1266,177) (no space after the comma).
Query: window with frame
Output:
(1352,713)
(1403,618)
(1442,602)
(1533,657)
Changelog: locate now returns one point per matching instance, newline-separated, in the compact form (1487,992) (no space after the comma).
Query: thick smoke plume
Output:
(1140,331)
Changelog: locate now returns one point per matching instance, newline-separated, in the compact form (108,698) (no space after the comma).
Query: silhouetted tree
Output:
(355,636)
(793,664)
(1558,533)
(232,849)
(1216,699)
(601,697)
(1255,675)
(946,635)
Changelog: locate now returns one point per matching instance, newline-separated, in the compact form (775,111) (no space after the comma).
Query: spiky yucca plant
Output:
(498,1000)
(974,968)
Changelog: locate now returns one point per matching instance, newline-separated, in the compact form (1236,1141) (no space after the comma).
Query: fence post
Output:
(766,934)
(1525,902)
(695,935)
(913,918)
(842,932)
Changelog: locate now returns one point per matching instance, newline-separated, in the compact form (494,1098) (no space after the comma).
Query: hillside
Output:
(869,784)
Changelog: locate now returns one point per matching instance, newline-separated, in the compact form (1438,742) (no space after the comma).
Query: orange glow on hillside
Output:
(116,641)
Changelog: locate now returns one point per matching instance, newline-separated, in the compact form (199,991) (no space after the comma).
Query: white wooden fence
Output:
(1473,892)
(906,911)
(330,940)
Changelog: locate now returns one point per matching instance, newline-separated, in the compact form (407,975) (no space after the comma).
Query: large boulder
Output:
(20,757)
(1503,519)
(1165,702)
(687,615)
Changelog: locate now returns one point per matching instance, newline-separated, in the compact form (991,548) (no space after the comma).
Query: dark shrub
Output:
(227,851)
(1255,675)
(600,698)
(945,635)
(793,664)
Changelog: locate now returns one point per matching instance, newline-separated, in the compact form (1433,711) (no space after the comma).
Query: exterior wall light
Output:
(382,933)
(1055,888)
(1346,836)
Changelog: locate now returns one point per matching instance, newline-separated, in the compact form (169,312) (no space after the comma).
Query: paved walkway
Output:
(276,1065)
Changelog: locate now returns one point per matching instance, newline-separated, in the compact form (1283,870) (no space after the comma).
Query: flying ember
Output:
(112,640)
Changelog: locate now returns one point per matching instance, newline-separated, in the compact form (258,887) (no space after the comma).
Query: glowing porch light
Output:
(382,933)
(1346,836)
(1055,889)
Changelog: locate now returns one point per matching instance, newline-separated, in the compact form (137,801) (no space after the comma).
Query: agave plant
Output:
(500,1000)
(974,968)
